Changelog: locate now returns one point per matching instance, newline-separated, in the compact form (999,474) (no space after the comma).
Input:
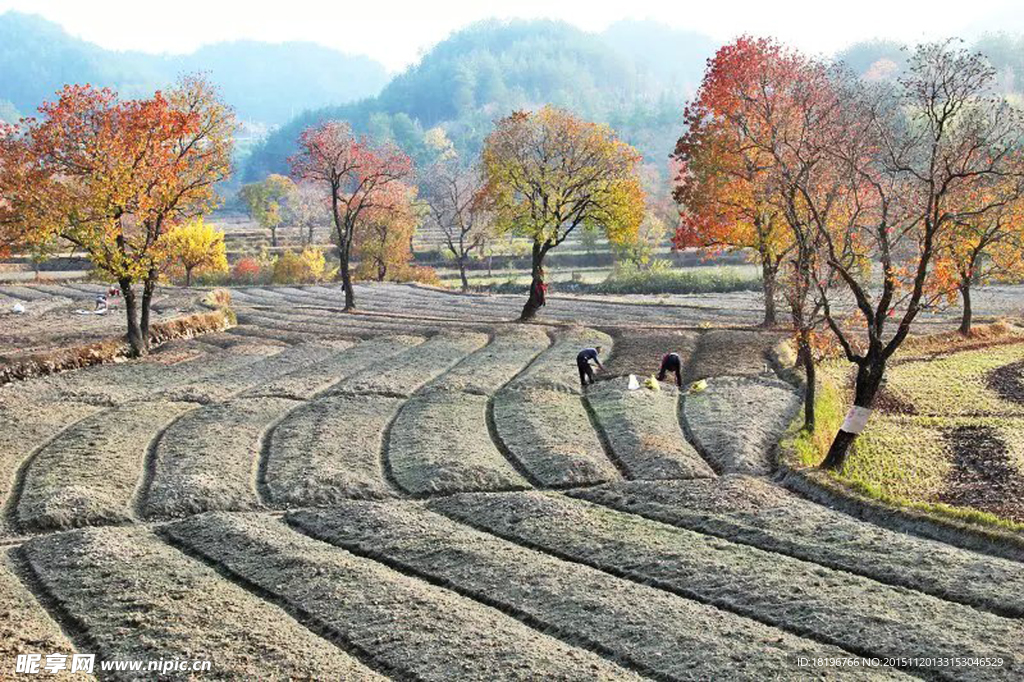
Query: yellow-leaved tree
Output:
(194,248)
(549,172)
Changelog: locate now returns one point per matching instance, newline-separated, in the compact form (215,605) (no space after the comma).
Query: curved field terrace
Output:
(422,491)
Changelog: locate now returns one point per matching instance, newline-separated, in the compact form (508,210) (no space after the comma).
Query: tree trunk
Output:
(188,278)
(537,295)
(965,318)
(147,299)
(346,283)
(768,281)
(462,272)
(310,242)
(869,379)
(806,356)
(273,236)
(490,263)
(131,309)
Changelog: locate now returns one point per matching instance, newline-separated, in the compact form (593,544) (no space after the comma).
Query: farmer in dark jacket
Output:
(583,359)
(671,363)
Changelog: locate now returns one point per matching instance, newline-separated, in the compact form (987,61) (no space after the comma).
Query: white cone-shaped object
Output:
(19,308)
(633,383)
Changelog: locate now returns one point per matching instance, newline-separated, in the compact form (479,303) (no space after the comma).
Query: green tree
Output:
(264,201)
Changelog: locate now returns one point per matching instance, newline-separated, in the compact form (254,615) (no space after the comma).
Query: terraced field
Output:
(423,491)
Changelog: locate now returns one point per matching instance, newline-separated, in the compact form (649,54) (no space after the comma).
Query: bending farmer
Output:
(672,363)
(583,359)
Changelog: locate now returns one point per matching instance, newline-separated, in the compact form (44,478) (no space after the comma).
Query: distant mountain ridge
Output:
(265,82)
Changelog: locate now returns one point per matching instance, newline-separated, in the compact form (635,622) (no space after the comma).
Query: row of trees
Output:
(541,175)
(865,203)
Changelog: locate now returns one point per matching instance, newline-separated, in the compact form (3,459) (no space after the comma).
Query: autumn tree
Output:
(548,173)
(194,247)
(911,152)
(640,249)
(355,177)
(983,246)
(724,186)
(450,192)
(307,210)
(265,200)
(382,241)
(112,177)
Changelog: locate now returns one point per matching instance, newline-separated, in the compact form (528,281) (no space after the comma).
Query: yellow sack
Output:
(652,383)
(698,386)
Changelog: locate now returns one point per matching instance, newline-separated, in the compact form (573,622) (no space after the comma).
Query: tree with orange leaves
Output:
(357,178)
(382,241)
(112,177)
(981,247)
(725,185)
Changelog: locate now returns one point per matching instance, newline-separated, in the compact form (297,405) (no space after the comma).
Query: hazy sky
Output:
(395,32)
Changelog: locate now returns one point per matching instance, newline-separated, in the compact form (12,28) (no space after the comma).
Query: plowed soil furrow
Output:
(25,626)
(208,459)
(555,368)
(643,431)
(730,352)
(308,381)
(124,382)
(404,623)
(89,473)
(27,428)
(439,444)
(857,614)
(736,422)
(225,384)
(549,433)
(138,598)
(754,512)
(659,634)
(329,450)
(494,365)
(403,374)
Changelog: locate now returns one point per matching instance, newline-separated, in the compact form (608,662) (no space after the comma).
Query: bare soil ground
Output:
(319,495)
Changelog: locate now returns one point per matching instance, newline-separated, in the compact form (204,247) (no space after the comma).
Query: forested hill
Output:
(265,82)
(487,70)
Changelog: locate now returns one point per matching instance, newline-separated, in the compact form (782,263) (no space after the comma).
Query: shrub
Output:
(246,271)
(290,268)
(315,263)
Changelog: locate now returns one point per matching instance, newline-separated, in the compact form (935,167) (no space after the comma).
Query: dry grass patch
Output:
(644,433)
(329,450)
(550,434)
(753,511)
(414,629)
(657,633)
(738,421)
(957,384)
(402,374)
(494,365)
(207,460)
(141,599)
(440,443)
(88,475)
(857,614)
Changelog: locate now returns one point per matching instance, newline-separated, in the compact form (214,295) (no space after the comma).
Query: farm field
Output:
(422,491)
